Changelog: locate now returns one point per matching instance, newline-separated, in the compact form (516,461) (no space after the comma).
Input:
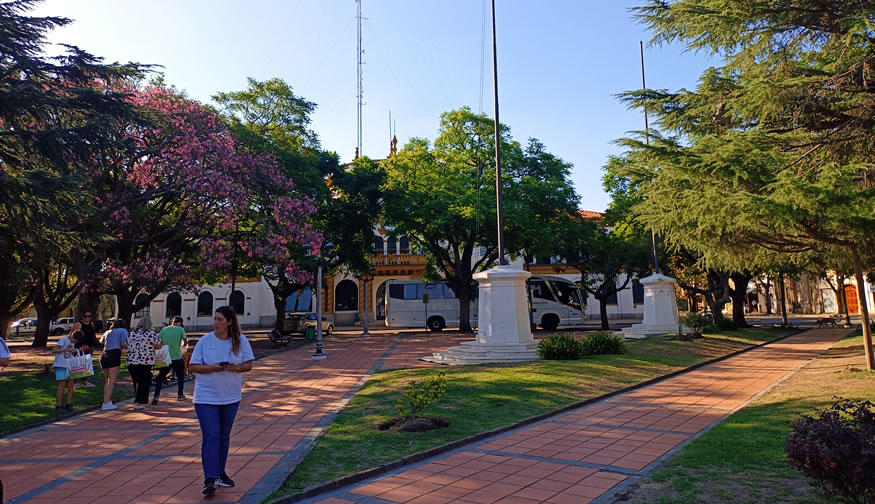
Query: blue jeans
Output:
(216,423)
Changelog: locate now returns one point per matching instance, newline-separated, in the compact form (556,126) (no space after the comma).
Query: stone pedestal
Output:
(660,308)
(504,333)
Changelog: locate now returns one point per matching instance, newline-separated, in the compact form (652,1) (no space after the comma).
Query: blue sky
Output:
(559,61)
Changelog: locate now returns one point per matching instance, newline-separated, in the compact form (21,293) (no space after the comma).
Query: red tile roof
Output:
(589,214)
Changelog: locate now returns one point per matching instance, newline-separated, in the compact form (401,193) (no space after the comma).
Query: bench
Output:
(826,321)
(278,338)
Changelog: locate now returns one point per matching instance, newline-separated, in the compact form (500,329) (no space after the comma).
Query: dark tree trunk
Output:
(125,301)
(279,306)
(464,296)
(739,296)
(5,320)
(603,313)
(44,318)
(783,299)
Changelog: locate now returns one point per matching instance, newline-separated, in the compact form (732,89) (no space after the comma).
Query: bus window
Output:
(567,294)
(396,291)
(410,291)
(540,291)
(448,293)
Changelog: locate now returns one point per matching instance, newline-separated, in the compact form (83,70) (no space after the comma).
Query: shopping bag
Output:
(162,357)
(80,365)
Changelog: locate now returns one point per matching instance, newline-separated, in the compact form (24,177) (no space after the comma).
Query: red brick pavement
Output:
(584,455)
(153,456)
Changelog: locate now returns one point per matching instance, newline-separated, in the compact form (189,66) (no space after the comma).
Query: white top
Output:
(4,350)
(223,387)
(61,358)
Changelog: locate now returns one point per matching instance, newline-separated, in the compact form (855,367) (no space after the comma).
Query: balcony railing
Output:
(398,260)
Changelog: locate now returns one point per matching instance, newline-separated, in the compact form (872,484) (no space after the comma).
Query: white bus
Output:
(414,303)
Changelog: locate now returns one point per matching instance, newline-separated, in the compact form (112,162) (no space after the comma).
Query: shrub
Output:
(561,346)
(603,343)
(420,395)
(836,448)
(695,321)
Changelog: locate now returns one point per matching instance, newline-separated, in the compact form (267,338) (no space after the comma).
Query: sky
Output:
(560,63)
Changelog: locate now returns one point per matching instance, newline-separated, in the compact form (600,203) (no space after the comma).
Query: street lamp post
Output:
(319,355)
(367,276)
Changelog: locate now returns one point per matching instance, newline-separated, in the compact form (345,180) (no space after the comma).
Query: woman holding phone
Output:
(218,359)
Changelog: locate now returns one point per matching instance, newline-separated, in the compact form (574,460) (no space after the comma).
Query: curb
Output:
(419,456)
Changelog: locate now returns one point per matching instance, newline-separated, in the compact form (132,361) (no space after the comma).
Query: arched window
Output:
(378,244)
(174,305)
(391,243)
(405,245)
(142,312)
(204,304)
(346,296)
(237,302)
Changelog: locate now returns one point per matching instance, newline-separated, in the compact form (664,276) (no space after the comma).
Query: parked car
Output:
(61,326)
(25,325)
(298,322)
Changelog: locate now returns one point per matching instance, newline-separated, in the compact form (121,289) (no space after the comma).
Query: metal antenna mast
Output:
(647,142)
(360,93)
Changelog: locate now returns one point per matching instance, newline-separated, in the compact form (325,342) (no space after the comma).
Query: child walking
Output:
(63,351)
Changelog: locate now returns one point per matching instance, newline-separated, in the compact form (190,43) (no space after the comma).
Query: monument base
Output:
(504,333)
(660,309)
(472,352)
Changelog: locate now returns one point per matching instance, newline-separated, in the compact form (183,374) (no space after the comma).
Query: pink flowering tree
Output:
(179,201)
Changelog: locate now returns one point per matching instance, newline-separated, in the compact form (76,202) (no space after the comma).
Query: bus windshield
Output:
(566,293)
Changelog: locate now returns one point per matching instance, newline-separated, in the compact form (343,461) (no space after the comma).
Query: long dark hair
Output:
(234,328)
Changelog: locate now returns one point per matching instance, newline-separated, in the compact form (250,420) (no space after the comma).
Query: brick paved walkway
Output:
(586,455)
(153,456)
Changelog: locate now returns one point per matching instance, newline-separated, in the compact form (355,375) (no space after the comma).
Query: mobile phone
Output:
(225,364)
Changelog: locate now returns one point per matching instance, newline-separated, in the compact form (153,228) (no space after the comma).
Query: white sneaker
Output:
(109,406)
(89,385)
(76,385)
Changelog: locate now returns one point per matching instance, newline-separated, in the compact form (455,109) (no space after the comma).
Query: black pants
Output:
(141,374)
(178,366)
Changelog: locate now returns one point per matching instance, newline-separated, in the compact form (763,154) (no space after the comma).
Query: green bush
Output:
(696,322)
(603,343)
(727,325)
(561,346)
(420,395)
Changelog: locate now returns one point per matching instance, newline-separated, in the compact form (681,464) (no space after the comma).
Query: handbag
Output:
(80,365)
(162,357)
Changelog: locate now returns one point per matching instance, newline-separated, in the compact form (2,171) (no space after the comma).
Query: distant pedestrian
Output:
(111,360)
(89,342)
(64,350)
(218,359)
(174,337)
(5,354)
(142,344)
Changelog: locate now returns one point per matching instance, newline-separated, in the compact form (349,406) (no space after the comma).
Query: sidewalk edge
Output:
(419,456)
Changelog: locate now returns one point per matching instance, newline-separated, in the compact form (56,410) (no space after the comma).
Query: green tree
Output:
(443,196)
(56,114)
(772,148)
(269,118)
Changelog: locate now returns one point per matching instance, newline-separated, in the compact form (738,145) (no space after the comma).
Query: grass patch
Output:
(29,397)
(743,459)
(483,397)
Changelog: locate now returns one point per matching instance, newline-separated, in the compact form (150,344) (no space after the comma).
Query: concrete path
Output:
(586,455)
(153,456)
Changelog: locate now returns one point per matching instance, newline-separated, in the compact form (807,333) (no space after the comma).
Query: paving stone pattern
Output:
(584,456)
(153,456)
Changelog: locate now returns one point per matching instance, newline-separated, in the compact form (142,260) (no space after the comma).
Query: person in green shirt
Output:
(174,337)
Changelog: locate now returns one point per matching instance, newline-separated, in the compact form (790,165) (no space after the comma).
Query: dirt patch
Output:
(416,424)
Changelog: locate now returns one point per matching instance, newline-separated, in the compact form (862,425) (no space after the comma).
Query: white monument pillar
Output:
(504,333)
(660,308)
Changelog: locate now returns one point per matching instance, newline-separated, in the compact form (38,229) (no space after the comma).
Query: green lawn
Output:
(484,397)
(28,397)
(742,460)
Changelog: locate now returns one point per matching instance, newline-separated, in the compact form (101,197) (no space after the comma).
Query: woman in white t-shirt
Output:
(218,359)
